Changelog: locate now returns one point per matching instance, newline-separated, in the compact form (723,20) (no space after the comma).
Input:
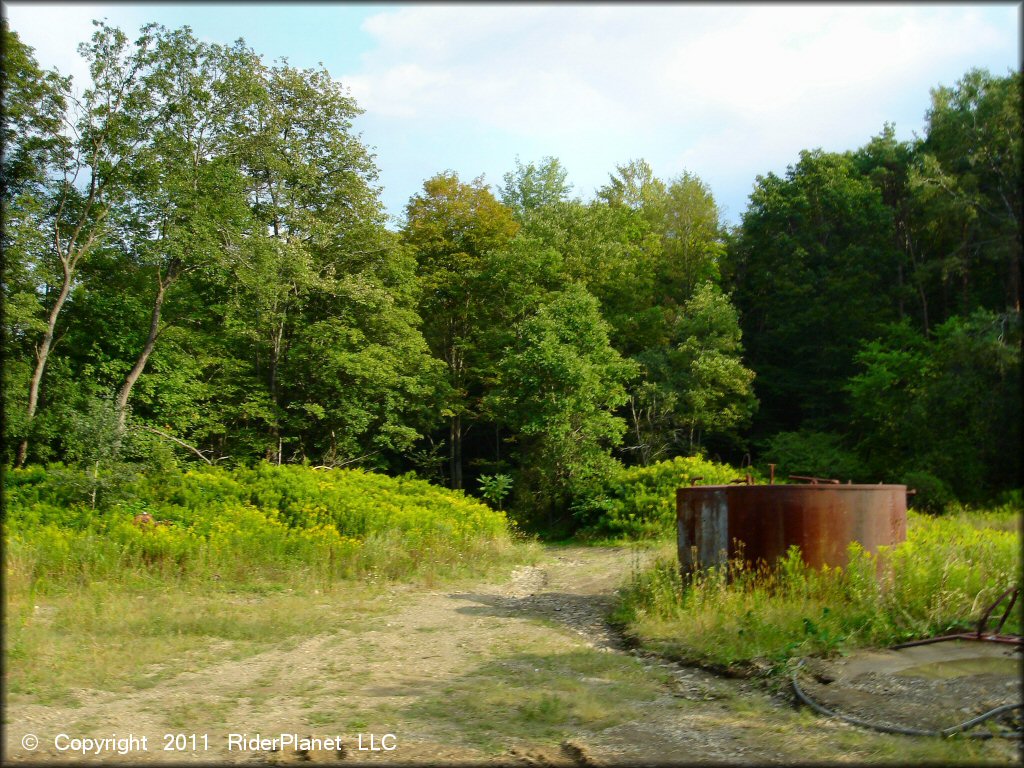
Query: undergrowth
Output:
(173,569)
(277,523)
(639,503)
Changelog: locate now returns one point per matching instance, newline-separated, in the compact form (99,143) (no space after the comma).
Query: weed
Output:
(280,522)
(939,580)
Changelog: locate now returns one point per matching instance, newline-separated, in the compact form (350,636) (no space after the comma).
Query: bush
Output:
(640,502)
(818,454)
(931,494)
(336,523)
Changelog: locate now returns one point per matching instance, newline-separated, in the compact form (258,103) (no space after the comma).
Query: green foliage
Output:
(451,227)
(640,502)
(197,238)
(34,103)
(716,389)
(970,176)
(937,287)
(948,406)
(559,384)
(635,186)
(695,385)
(533,186)
(814,454)
(930,493)
(495,487)
(336,523)
(814,267)
(938,581)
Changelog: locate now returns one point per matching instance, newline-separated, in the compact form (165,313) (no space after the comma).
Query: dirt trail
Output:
(422,671)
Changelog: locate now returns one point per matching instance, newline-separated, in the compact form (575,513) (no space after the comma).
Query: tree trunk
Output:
(140,363)
(455,452)
(1013,277)
(275,357)
(42,355)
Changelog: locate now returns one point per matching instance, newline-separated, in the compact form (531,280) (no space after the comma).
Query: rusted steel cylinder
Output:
(717,522)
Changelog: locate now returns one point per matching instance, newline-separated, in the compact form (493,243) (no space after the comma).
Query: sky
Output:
(727,92)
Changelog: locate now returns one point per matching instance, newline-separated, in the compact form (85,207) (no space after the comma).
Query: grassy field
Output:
(288,598)
(176,567)
(947,572)
(463,671)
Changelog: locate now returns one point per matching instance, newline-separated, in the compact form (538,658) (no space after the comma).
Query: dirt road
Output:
(524,672)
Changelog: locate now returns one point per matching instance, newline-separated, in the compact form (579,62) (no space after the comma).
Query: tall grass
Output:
(938,581)
(285,523)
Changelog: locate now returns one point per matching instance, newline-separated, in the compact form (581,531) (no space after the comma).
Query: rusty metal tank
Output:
(717,522)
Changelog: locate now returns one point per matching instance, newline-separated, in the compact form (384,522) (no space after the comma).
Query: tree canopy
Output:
(198,267)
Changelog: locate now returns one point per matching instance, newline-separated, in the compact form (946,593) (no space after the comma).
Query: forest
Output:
(198,271)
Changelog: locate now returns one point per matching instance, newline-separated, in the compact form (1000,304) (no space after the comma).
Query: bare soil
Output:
(394,673)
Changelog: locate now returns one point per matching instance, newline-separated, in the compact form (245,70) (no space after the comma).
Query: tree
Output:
(635,186)
(80,165)
(612,251)
(451,226)
(948,406)
(716,389)
(185,208)
(692,244)
(971,163)
(34,107)
(531,187)
(560,383)
(890,165)
(694,387)
(34,103)
(814,267)
(321,255)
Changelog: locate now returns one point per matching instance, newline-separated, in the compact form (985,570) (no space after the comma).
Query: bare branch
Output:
(346,463)
(180,442)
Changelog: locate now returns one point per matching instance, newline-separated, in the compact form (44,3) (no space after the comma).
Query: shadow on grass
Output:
(539,698)
(586,615)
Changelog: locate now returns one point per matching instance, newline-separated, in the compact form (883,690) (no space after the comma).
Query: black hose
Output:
(960,728)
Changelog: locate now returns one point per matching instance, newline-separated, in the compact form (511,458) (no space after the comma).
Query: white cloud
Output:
(55,30)
(735,83)
(726,91)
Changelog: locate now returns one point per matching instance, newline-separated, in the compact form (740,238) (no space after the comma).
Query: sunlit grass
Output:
(946,573)
(247,561)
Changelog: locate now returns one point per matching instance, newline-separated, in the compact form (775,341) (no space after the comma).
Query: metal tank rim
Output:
(800,486)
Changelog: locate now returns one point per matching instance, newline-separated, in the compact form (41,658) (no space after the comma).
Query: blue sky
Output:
(724,91)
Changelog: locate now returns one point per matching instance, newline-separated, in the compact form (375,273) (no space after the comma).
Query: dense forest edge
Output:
(201,290)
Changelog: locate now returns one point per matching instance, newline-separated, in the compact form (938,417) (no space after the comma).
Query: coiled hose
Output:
(945,732)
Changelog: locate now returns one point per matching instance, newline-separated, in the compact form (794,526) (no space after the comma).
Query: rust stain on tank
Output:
(716,522)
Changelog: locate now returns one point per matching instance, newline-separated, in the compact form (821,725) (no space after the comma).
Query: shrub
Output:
(335,523)
(932,494)
(640,502)
(819,454)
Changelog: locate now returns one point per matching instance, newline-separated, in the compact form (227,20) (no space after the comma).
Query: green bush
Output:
(214,521)
(640,502)
(931,494)
(818,454)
